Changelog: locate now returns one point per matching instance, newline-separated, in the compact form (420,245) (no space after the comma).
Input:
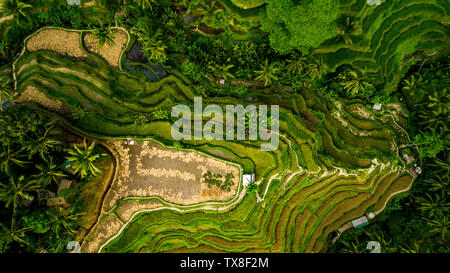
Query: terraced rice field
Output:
(332,164)
(388,33)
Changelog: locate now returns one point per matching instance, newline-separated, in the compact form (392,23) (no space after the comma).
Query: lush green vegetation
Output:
(417,222)
(324,62)
(32,159)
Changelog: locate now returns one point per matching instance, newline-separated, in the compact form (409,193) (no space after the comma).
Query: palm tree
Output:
(432,206)
(347,28)
(221,71)
(353,83)
(442,168)
(15,189)
(440,225)
(209,11)
(439,101)
(14,7)
(44,143)
(317,69)
(155,50)
(63,221)
(104,34)
(435,119)
(412,84)
(437,183)
(8,158)
(268,72)
(48,172)
(296,65)
(350,247)
(145,4)
(9,235)
(83,159)
(5,89)
(410,248)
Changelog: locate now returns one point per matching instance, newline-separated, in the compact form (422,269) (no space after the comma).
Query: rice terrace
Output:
(97,81)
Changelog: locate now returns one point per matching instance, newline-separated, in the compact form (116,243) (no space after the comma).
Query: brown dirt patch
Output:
(63,42)
(108,227)
(111,54)
(32,94)
(148,169)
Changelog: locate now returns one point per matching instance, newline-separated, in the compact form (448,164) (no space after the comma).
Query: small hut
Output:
(377,107)
(248,179)
(73,2)
(360,222)
(63,185)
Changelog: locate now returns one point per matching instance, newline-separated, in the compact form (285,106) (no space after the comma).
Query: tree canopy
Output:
(303,24)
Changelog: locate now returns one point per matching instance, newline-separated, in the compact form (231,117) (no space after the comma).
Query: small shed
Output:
(373,2)
(64,185)
(73,2)
(377,107)
(360,222)
(57,201)
(248,179)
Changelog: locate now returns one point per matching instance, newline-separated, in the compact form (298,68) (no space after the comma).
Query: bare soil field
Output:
(148,169)
(111,54)
(63,42)
(32,94)
(106,228)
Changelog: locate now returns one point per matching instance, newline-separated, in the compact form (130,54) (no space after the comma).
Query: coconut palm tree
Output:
(9,158)
(268,72)
(412,84)
(437,183)
(145,4)
(16,188)
(440,225)
(82,158)
(433,206)
(351,247)
(15,8)
(316,70)
(155,50)
(353,83)
(441,167)
(48,172)
(104,34)
(410,248)
(5,89)
(208,11)
(221,71)
(9,235)
(44,143)
(348,27)
(63,221)
(296,65)
(439,101)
